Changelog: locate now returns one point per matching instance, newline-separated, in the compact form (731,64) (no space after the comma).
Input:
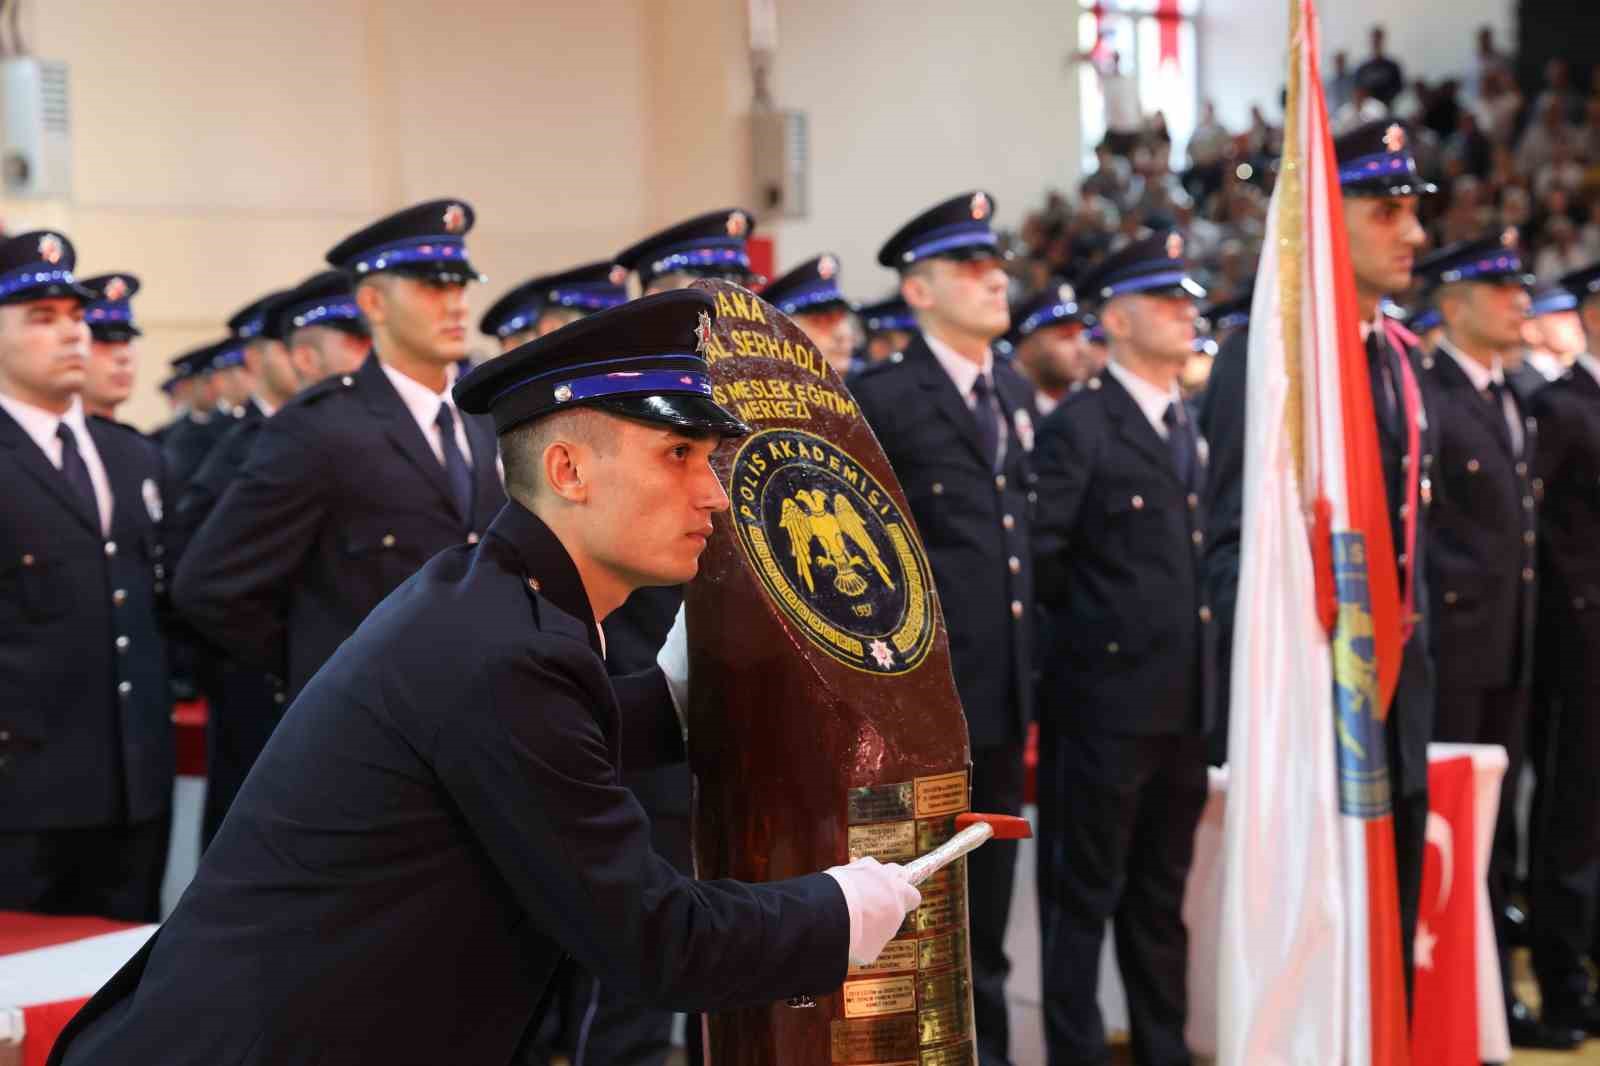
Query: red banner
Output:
(1444,1031)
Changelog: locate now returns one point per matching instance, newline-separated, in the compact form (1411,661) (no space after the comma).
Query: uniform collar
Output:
(40,425)
(1591,364)
(1152,401)
(546,566)
(963,371)
(1481,376)
(421,401)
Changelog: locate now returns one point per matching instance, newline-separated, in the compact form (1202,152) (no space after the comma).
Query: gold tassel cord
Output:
(1291,247)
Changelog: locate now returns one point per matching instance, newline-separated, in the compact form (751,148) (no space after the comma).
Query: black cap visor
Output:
(55,290)
(680,410)
(115,332)
(1416,187)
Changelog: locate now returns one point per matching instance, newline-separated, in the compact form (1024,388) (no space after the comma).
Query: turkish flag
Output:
(1444,1030)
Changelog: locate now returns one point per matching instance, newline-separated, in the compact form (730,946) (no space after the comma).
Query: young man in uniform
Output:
(1565,878)
(956,425)
(86,744)
(1381,187)
(889,326)
(1046,345)
(1483,546)
(550,301)
(353,486)
(1126,692)
(810,295)
(439,819)
(113,344)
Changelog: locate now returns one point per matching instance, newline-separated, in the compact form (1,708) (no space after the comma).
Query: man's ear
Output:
(1114,317)
(563,464)
(370,297)
(916,291)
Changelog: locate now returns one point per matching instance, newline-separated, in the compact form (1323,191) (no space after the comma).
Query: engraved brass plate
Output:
(946,949)
(944,794)
(933,832)
(946,908)
(948,1021)
(886,841)
(955,1055)
(896,955)
(884,995)
(873,1040)
(882,803)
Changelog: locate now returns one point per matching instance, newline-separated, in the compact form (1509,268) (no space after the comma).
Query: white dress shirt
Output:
(1152,400)
(1482,377)
(424,403)
(41,426)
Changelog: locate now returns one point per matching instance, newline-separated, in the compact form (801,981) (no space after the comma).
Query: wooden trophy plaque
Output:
(828,725)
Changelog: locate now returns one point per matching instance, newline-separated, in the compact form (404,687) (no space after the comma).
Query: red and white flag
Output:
(1309,958)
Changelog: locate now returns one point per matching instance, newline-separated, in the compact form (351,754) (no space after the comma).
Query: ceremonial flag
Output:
(1309,957)
(1445,1032)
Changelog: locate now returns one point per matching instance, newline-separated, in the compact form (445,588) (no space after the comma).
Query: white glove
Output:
(878,899)
(673,658)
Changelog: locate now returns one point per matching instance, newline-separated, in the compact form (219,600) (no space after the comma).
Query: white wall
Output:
(1243,43)
(911,103)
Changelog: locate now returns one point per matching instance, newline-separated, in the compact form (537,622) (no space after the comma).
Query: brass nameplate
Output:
(884,995)
(882,803)
(874,1040)
(933,832)
(936,912)
(886,841)
(955,1055)
(948,1021)
(896,955)
(946,949)
(945,794)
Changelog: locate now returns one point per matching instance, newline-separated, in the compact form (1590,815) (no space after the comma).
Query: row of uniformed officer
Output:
(86,746)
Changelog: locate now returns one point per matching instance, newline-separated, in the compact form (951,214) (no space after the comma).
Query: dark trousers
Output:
(997,787)
(1117,816)
(1493,715)
(1410,841)
(1565,875)
(242,715)
(109,871)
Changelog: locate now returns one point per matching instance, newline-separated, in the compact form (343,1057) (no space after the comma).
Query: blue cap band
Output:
(108,312)
(1377,167)
(1045,316)
(696,366)
(624,382)
(948,239)
(227,358)
(703,252)
(1423,321)
(32,277)
(597,297)
(414,250)
(882,322)
(1232,320)
(825,292)
(252,327)
(1552,302)
(320,312)
(1167,279)
(1505,264)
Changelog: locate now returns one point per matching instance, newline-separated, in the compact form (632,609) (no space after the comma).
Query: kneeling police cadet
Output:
(439,819)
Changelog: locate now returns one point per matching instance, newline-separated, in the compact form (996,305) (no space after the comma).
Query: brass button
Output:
(278,697)
(1403,510)
(1529,537)
(122,643)
(388,540)
(119,597)
(938,488)
(1522,469)
(347,381)
(533,583)
(1473,466)
(1008,522)
(1451,598)
(1016,608)
(1205,613)
(160,571)
(5,735)
(27,560)
(1015,564)
(1193,501)
(1094,383)
(1033,497)
(1527,574)
(125,689)
(1402,558)
(1527,503)
(1137,502)
(1198,537)
(1000,482)
(111,548)
(472,538)
(1113,647)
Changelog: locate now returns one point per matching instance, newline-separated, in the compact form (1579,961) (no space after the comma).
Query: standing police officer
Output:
(353,486)
(956,425)
(1566,863)
(1482,545)
(550,301)
(86,746)
(1381,186)
(1126,695)
(439,818)
(1047,345)
(113,344)
(810,295)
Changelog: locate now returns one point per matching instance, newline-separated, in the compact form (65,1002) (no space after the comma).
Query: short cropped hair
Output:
(522,449)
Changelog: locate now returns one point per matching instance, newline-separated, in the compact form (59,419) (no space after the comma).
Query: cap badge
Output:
(1066,295)
(980,206)
(1174,245)
(1394,138)
(116,289)
(738,224)
(827,267)
(1508,239)
(455,218)
(702,334)
(50,249)
(618,275)
(563,393)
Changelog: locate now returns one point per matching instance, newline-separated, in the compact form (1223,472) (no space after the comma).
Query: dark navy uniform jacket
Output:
(85,718)
(199,497)
(974,523)
(186,443)
(1118,548)
(1482,526)
(435,823)
(340,500)
(1568,468)
(1222,420)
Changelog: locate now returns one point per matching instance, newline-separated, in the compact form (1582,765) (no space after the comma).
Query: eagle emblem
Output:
(844,545)
(116,289)
(1508,238)
(1174,245)
(980,207)
(50,249)
(618,275)
(827,267)
(455,218)
(1394,138)
(702,334)
(738,224)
